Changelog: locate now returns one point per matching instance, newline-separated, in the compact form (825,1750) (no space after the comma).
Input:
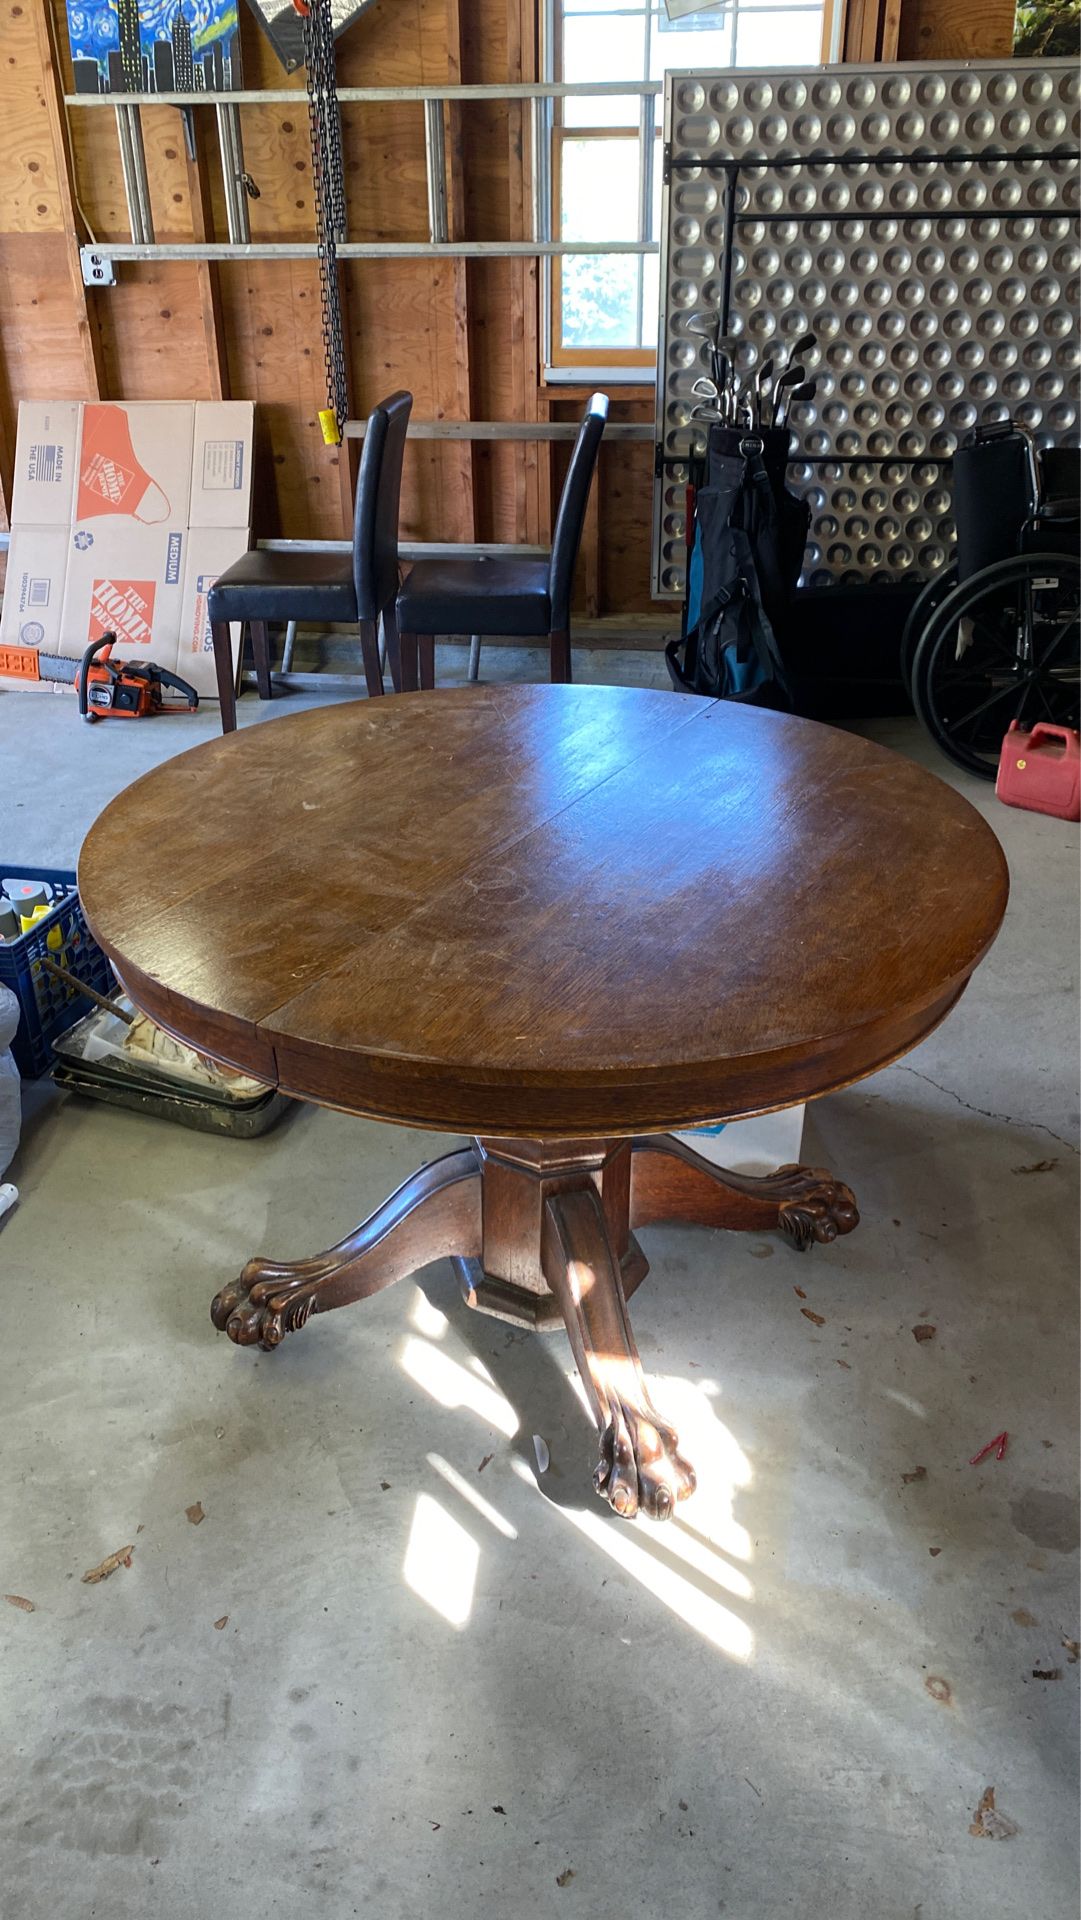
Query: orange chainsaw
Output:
(126,689)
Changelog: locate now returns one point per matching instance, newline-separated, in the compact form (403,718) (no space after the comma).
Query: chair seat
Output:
(285,586)
(505,596)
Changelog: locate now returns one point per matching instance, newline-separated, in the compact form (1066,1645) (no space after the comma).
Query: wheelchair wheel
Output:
(932,594)
(1003,646)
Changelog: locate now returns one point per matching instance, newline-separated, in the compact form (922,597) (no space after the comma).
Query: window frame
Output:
(632,364)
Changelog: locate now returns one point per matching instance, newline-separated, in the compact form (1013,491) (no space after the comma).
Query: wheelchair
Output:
(995,637)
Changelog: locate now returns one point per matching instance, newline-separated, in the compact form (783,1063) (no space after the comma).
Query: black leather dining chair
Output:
(527,599)
(357,587)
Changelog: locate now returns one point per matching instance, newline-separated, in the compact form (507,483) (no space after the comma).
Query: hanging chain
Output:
(328,175)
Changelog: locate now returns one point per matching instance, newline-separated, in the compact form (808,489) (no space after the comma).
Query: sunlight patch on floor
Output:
(456,1386)
(441,1561)
(618,1540)
(426,1318)
(476,1500)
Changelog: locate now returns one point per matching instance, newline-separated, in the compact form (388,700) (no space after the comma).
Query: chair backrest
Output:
(375,519)
(572,510)
(994,493)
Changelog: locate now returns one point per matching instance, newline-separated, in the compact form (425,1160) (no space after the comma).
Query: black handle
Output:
(83,675)
(168,679)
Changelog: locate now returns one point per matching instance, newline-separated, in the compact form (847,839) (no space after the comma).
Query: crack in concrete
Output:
(989,1114)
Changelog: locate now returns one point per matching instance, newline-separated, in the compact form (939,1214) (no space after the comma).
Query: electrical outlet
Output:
(98,269)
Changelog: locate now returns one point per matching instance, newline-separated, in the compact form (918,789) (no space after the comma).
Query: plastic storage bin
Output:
(47,1005)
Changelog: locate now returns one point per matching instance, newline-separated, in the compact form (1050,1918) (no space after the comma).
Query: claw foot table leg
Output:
(436,1212)
(669,1181)
(640,1467)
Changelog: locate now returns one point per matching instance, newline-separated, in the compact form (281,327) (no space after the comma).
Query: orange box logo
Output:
(123,607)
(111,478)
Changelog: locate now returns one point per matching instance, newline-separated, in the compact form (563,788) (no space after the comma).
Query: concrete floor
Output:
(385,1678)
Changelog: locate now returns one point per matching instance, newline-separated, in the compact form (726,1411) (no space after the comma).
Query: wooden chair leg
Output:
(260,646)
(369,647)
(225,673)
(407,643)
(559,645)
(393,645)
(426,644)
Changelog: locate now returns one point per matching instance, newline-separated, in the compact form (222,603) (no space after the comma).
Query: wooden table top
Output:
(543,909)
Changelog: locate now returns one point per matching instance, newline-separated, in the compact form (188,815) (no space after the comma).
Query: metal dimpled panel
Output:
(943,291)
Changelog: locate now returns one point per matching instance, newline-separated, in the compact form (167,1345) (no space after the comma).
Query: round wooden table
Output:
(561,920)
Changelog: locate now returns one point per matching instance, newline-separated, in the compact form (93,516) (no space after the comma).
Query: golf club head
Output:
(791,377)
(805,344)
(796,396)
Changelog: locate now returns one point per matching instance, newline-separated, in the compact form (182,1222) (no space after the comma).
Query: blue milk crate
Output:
(47,1005)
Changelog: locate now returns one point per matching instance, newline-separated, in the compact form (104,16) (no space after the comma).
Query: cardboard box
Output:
(45,454)
(34,593)
(761,1145)
(105,494)
(221,466)
(135,463)
(127,580)
(210,551)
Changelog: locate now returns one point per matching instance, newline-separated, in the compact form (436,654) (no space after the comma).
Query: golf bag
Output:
(749,537)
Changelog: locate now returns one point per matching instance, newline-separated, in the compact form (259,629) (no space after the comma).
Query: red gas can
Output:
(1041,769)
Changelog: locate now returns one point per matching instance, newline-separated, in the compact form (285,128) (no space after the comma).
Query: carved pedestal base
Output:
(540,1234)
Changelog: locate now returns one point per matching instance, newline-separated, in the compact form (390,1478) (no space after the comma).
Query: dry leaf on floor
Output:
(924,1332)
(1038,1166)
(564,1879)
(799,1291)
(934,1552)
(918,1473)
(223,1622)
(1023,1618)
(847,1364)
(1073,1648)
(1046,1673)
(16,1600)
(195,1513)
(121,1558)
(988,1823)
(816,1318)
(544,1458)
(487,1458)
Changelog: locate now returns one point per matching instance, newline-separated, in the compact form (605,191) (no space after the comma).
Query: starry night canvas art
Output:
(154,46)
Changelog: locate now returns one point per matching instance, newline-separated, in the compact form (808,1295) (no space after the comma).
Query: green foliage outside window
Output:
(1048,29)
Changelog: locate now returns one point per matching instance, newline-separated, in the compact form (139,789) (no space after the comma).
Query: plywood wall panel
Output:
(956,29)
(38,343)
(29,188)
(153,342)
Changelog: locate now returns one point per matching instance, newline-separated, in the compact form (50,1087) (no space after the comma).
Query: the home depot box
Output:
(127,580)
(45,451)
(128,541)
(210,551)
(221,464)
(34,591)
